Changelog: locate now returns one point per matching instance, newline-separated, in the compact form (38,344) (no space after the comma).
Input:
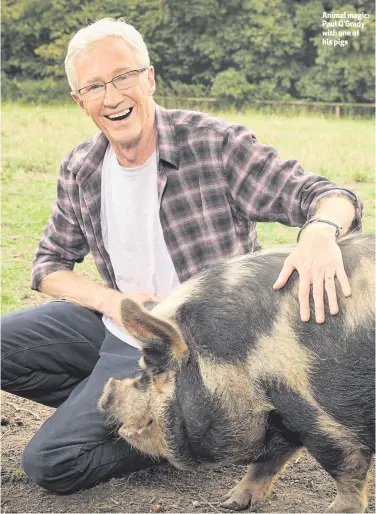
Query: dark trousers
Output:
(61,355)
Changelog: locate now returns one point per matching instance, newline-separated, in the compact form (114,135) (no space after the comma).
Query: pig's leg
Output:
(334,447)
(346,462)
(351,477)
(258,480)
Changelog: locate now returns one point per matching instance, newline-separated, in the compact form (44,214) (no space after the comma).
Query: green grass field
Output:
(35,139)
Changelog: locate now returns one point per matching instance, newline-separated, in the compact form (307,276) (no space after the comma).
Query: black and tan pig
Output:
(229,374)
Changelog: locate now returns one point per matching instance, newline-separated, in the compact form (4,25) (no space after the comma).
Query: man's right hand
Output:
(67,285)
(111,302)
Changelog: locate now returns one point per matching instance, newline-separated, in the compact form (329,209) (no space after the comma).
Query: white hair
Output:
(101,29)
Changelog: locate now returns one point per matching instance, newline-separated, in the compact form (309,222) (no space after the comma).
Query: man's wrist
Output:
(320,225)
(106,299)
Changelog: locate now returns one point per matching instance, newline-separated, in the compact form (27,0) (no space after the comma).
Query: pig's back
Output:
(225,310)
(231,315)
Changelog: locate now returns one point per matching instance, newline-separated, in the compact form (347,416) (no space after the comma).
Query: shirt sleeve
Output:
(63,243)
(266,189)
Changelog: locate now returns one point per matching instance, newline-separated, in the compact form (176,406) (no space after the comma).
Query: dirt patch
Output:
(303,487)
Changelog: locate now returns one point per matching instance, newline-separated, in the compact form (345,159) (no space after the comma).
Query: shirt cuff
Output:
(356,225)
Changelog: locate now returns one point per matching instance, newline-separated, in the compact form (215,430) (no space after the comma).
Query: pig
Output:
(230,374)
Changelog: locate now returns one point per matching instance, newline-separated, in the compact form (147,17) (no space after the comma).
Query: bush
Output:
(35,91)
(179,89)
(231,88)
(9,89)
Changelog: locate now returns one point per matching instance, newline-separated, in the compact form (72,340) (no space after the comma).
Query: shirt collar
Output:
(166,145)
(167,142)
(89,158)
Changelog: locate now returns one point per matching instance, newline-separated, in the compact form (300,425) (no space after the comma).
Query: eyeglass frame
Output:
(139,70)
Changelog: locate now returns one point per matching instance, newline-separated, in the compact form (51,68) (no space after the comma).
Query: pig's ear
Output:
(163,346)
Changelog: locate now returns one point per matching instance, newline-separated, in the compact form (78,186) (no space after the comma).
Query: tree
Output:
(243,50)
(342,74)
(232,88)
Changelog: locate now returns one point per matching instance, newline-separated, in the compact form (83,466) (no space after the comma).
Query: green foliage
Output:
(180,89)
(242,51)
(231,87)
(9,89)
(343,74)
(47,90)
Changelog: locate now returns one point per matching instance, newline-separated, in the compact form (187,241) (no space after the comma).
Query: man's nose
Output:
(112,96)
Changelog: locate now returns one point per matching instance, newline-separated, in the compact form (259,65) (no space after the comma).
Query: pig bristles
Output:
(111,420)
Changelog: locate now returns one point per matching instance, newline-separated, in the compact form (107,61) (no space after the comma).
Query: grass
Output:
(35,140)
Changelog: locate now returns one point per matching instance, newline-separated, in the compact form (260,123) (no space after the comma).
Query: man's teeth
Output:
(119,114)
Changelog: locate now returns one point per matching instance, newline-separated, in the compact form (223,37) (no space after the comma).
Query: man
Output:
(157,196)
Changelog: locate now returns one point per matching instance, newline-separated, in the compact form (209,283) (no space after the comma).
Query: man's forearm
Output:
(67,285)
(338,209)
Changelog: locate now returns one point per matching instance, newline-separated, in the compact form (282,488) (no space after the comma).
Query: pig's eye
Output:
(149,422)
(142,382)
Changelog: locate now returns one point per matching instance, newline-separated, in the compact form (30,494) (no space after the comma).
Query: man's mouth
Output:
(120,115)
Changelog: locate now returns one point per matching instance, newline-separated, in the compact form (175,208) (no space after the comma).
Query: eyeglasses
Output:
(123,81)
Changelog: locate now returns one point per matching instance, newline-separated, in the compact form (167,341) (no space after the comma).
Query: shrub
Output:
(35,91)
(231,88)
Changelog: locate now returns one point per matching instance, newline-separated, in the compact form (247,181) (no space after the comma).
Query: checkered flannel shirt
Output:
(215,181)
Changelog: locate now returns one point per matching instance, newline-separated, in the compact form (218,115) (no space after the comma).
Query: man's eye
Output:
(92,87)
(122,78)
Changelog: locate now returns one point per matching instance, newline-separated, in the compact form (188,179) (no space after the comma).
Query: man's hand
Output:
(318,260)
(111,303)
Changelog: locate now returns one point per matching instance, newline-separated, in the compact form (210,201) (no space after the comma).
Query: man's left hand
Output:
(318,260)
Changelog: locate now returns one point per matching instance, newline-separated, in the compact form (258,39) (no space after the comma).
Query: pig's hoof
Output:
(340,507)
(349,510)
(233,505)
(236,499)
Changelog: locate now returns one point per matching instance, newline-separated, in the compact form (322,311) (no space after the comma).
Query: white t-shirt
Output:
(132,232)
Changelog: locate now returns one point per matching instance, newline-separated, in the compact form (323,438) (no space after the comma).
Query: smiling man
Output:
(156,196)
(114,85)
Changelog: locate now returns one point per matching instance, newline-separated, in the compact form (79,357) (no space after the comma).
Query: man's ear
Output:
(163,346)
(80,102)
(151,80)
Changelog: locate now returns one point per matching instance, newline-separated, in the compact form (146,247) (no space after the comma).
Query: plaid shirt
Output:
(215,181)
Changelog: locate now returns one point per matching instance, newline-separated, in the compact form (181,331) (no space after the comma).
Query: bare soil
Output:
(303,487)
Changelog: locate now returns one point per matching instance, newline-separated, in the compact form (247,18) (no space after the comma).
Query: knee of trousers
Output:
(53,469)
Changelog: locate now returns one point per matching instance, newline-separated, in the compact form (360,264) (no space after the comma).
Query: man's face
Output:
(103,61)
